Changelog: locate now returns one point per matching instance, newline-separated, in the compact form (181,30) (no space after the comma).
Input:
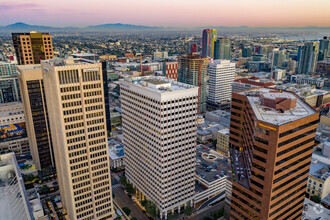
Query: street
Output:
(123,200)
(207,211)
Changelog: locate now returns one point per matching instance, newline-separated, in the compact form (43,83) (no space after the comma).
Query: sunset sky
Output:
(190,13)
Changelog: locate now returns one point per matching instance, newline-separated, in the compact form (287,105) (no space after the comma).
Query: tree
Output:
(44,189)
(130,189)
(316,199)
(127,210)
(218,213)
(188,210)
(118,218)
(151,208)
(123,180)
(134,218)
(144,203)
(172,216)
(207,218)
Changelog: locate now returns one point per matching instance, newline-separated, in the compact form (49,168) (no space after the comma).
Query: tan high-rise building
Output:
(74,91)
(32,47)
(35,111)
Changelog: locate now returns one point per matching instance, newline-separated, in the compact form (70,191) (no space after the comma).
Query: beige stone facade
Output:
(35,111)
(74,91)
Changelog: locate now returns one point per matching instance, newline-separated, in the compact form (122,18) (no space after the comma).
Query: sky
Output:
(168,13)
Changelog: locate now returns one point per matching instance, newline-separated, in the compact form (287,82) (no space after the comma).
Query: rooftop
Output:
(255,81)
(271,115)
(67,62)
(319,170)
(314,211)
(9,109)
(14,201)
(158,84)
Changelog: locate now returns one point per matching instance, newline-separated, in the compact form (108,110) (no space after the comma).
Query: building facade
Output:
(13,129)
(308,55)
(32,47)
(221,76)
(170,69)
(192,70)
(222,49)
(271,144)
(9,89)
(208,39)
(324,51)
(278,58)
(159,128)
(74,91)
(36,116)
(223,142)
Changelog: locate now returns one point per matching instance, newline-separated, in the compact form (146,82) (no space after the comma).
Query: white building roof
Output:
(273,116)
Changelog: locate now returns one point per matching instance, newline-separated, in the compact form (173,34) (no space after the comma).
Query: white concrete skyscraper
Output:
(221,77)
(159,126)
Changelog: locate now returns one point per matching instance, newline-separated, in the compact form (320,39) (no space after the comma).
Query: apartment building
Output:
(271,144)
(74,91)
(159,127)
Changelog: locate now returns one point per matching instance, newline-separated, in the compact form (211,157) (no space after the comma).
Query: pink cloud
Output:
(16,6)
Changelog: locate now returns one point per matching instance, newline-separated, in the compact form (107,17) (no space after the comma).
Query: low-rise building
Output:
(319,179)
(211,179)
(13,135)
(219,116)
(250,83)
(223,141)
(116,154)
(208,131)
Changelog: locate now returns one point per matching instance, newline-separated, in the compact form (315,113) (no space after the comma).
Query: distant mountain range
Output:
(22,27)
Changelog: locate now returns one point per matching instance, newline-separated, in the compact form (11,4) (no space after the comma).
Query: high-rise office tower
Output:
(192,70)
(222,49)
(324,51)
(221,77)
(278,58)
(32,47)
(213,33)
(246,51)
(208,40)
(36,117)
(159,126)
(307,59)
(75,99)
(271,144)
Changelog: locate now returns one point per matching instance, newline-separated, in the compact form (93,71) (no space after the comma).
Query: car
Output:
(212,170)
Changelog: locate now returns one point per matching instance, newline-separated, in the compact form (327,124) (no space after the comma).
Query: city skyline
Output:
(170,13)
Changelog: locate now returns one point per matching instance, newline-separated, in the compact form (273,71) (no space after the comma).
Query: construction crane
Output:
(141,57)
